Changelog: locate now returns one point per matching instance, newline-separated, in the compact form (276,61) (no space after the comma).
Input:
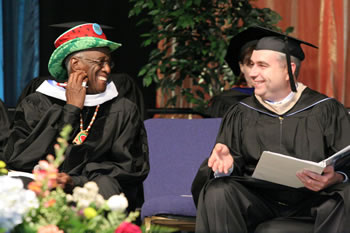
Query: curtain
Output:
(323,23)
(20,46)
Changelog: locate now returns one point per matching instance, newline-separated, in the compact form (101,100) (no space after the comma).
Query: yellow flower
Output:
(90,212)
(2,164)
(3,171)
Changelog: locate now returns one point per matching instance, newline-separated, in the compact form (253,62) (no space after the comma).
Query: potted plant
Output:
(192,38)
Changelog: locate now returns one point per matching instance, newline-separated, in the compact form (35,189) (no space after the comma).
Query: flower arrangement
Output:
(13,207)
(46,208)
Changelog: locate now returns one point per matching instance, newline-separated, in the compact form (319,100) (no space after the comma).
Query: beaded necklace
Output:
(82,135)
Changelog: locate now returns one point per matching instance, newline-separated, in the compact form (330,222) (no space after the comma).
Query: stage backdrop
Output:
(323,23)
(19,47)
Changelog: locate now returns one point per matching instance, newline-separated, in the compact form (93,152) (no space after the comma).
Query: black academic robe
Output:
(4,127)
(115,150)
(218,105)
(315,128)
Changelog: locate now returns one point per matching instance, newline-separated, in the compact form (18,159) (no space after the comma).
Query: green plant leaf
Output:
(195,40)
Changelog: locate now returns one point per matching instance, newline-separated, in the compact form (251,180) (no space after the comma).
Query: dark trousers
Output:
(226,205)
(109,186)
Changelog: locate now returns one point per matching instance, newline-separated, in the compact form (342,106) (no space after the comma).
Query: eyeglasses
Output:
(101,63)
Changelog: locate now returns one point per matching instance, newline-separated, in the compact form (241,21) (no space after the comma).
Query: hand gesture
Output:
(75,92)
(317,182)
(220,159)
(65,182)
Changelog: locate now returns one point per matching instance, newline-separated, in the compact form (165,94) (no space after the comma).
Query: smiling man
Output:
(108,143)
(282,116)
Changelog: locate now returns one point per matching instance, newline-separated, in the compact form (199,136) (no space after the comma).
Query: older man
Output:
(284,117)
(108,144)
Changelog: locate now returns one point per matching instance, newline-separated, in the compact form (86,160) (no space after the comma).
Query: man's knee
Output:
(108,186)
(220,189)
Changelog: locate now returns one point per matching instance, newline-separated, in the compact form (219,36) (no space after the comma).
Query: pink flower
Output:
(127,227)
(49,203)
(49,229)
(45,177)
(35,187)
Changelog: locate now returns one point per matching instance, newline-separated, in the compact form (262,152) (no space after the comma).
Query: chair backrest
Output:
(177,147)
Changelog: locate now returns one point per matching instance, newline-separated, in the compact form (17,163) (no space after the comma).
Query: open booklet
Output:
(282,169)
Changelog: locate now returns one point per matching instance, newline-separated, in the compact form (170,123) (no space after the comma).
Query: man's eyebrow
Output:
(261,63)
(101,58)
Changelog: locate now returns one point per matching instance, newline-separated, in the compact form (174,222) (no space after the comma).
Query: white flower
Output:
(15,202)
(83,203)
(99,201)
(117,202)
(69,198)
(91,187)
(86,195)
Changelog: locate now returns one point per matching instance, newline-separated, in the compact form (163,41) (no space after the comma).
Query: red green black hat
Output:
(81,37)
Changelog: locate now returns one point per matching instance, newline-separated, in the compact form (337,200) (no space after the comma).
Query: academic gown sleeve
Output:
(230,123)
(121,153)
(36,126)
(336,122)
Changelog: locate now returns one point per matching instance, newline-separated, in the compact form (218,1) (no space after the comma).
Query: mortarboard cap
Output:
(236,53)
(238,44)
(275,41)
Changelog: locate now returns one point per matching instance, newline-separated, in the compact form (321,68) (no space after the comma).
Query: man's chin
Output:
(101,90)
(102,87)
(258,92)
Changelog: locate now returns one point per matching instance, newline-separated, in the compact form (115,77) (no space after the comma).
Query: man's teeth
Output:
(102,78)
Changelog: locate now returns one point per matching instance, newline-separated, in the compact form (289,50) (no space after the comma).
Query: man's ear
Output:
(74,64)
(293,66)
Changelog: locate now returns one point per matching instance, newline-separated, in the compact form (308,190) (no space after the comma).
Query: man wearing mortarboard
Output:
(108,144)
(282,116)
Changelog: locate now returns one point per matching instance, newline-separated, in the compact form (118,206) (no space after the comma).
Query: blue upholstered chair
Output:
(177,147)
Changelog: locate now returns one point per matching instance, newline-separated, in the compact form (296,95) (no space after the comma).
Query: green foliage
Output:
(198,33)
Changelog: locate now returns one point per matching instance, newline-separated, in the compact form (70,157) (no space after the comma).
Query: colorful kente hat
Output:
(81,37)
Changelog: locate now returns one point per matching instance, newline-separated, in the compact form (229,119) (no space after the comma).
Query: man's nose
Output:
(253,72)
(107,68)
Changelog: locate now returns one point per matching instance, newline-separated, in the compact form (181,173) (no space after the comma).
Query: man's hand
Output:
(220,159)
(65,182)
(75,92)
(317,182)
